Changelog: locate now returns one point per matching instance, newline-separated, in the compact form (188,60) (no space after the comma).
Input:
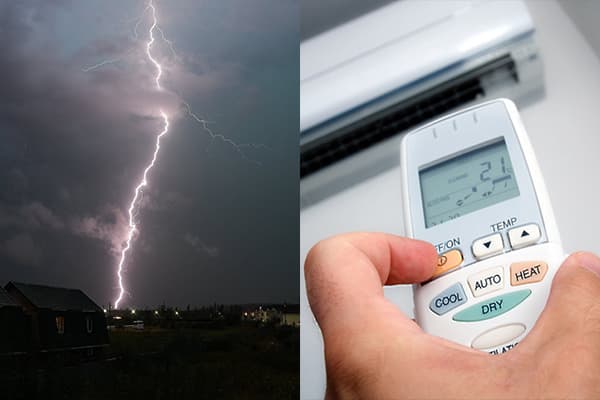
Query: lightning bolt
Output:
(149,45)
(144,181)
(132,206)
(138,191)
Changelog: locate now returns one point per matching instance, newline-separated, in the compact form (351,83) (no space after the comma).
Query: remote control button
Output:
(447,261)
(524,236)
(448,300)
(522,273)
(498,336)
(487,281)
(488,246)
(493,307)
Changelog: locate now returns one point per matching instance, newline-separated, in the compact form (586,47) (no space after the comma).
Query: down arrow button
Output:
(488,246)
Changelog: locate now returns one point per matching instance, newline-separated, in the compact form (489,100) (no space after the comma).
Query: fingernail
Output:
(589,261)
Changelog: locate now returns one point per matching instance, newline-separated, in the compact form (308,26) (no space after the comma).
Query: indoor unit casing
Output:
(369,79)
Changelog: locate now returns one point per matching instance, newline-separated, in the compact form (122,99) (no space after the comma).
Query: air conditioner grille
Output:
(400,117)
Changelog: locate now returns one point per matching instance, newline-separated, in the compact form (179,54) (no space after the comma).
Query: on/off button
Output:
(447,261)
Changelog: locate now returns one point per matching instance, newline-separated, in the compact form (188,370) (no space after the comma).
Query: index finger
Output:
(345,276)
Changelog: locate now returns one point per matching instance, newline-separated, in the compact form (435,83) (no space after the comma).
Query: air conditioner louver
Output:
(403,116)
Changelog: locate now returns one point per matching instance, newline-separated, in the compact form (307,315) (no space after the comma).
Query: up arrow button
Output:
(524,236)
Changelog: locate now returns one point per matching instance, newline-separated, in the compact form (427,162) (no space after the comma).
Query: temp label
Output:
(502,225)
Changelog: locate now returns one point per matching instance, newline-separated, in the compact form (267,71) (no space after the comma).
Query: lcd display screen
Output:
(467,183)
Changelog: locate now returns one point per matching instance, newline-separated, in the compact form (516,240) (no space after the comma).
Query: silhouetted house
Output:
(14,326)
(61,319)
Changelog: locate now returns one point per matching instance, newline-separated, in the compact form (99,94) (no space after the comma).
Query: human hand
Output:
(373,351)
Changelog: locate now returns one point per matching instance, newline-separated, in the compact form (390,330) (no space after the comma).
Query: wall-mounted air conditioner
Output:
(374,77)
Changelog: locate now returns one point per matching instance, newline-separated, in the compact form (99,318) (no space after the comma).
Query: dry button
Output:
(522,273)
(524,236)
(487,281)
(488,246)
(497,336)
(493,307)
(447,262)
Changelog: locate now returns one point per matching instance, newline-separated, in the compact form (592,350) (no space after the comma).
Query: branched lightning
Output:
(237,146)
(138,193)
(168,42)
(101,64)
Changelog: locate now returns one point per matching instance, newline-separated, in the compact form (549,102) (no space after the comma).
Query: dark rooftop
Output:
(54,298)
(5,299)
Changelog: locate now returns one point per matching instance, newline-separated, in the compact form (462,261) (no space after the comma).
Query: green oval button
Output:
(493,307)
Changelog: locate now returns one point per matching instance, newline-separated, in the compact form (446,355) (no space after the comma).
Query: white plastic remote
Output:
(473,188)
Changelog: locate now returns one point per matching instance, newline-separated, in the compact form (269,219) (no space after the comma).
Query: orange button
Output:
(448,261)
(522,273)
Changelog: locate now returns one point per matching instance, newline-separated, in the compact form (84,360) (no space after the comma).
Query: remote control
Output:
(472,187)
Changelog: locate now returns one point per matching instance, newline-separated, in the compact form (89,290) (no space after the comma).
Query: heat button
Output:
(522,273)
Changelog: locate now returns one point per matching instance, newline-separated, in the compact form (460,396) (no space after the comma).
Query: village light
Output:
(132,311)
(176,312)
(104,309)
(155,312)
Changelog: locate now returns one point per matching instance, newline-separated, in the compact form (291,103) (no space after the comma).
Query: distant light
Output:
(176,312)
(245,314)
(133,311)
(118,317)
(156,312)
(104,309)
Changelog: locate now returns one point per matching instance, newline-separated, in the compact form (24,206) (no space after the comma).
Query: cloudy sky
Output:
(217,223)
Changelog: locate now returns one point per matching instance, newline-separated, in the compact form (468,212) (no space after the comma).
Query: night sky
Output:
(216,224)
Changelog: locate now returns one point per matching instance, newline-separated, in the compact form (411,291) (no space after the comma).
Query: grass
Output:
(240,362)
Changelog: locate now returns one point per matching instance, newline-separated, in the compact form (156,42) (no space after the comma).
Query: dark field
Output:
(240,362)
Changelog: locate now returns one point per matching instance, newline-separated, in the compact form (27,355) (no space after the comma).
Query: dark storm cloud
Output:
(74,142)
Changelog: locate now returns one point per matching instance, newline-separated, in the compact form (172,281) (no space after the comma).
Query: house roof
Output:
(55,298)
(5,299)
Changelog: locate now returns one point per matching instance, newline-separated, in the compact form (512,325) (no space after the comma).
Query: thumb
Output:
(572,313)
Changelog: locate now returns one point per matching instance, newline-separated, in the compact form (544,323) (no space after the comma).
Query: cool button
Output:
(493,307)
(448,300)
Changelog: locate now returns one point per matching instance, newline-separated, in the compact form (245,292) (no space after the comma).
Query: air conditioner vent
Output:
(403,116)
